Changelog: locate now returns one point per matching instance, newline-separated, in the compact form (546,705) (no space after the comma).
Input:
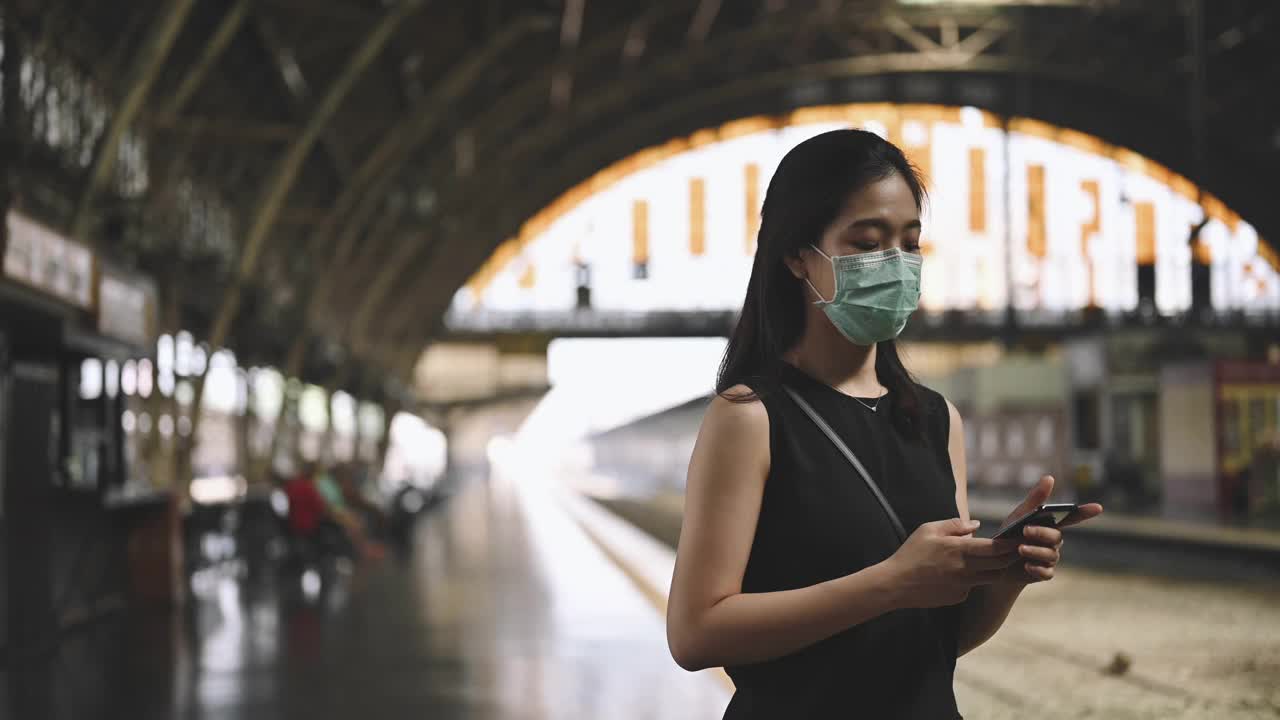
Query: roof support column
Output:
(287,167)
(146,68)
(364,190)
(13,127)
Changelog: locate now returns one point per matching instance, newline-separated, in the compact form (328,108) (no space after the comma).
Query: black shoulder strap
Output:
(853,460)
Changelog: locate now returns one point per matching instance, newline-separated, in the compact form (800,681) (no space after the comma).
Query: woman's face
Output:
(879,216)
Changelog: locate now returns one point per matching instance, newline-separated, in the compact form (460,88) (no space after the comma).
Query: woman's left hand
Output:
(1041,547)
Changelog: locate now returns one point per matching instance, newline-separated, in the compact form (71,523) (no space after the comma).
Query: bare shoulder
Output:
(956,421)
(736,412)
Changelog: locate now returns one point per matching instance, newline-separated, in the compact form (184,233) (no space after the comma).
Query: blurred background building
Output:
(430,256)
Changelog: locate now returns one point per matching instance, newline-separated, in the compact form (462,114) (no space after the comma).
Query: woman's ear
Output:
(795,264)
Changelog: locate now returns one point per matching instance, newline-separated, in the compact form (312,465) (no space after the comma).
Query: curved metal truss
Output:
(311,180)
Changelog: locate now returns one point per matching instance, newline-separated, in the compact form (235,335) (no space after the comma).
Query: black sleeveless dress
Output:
(818,521)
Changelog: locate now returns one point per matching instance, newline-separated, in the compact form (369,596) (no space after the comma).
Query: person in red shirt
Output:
(306,506)
(310,511)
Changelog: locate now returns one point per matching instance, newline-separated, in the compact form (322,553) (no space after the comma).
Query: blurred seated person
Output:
(308,517)
(307,507)
(351,479)
(343,514)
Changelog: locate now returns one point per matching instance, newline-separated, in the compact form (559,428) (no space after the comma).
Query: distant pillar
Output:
(31,399)
(12,137)
(389,411)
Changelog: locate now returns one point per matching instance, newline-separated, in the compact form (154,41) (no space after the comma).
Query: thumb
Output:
(956,526)
(1036,497)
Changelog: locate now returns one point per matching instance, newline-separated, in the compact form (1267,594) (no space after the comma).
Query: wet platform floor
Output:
(502,608)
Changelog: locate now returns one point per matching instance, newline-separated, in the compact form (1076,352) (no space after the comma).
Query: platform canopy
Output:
(310,181)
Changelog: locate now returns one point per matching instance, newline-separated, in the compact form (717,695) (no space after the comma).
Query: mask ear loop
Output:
(820,300)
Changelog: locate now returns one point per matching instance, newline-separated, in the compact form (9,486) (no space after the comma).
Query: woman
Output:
(789,572)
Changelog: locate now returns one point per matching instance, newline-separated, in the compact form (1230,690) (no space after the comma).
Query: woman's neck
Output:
(824,354)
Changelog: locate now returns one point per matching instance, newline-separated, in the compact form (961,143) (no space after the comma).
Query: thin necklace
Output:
(863,403)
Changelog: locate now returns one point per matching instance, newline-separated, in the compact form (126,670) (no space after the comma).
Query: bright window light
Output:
(145,379)
(129,377)
(1082,216)
(313,408)
(268,384)
(370,418)
(343,407)
(90,379)
(198,359)
(164,354)
(220,385)
(585,397)
(184,393)
(113,378)
(166,383)
(182,354)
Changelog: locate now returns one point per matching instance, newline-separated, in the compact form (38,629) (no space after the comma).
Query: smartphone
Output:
(1047,515)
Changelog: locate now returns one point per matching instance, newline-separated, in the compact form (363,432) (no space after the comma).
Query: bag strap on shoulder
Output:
(853,460)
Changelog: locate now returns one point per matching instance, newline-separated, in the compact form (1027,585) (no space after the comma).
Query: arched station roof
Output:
(343,166)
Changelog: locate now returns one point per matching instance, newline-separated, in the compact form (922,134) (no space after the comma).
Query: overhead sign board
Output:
(126,307)
(41,258)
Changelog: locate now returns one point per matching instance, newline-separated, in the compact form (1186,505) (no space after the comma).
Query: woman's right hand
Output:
(941,562)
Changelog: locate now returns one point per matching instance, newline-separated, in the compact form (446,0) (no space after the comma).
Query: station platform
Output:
(1138,623)
(501,607)
(519,598)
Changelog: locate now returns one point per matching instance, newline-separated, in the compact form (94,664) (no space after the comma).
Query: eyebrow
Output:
(882,224)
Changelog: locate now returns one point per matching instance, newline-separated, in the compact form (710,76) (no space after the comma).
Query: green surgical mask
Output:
(875,294)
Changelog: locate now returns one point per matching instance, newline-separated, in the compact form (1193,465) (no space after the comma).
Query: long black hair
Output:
(809,188)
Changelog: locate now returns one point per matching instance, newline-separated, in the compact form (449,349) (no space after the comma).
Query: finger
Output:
(1038,573)
(986,547)
(1040,535)
(982,564)
(1042,555)
(1082,513)
(987,577)
(1035,497)
(956,526)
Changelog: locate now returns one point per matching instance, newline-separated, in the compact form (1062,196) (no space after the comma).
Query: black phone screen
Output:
(1049,515)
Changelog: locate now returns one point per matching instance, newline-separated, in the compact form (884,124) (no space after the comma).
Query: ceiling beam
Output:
(907,32)
(373,295)
(332,10)
(301,215)
(363,192)
(296,87)
(359,272)
(703,19)
(227,129)
(614,97)
(483,236)
(287,167)
(146,68)
(512,109)
(191,81)
(393,150)
(505,113)
(209,56)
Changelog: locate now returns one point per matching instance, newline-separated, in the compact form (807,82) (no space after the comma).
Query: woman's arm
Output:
(710,621)
(1037,550)
(987,606)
